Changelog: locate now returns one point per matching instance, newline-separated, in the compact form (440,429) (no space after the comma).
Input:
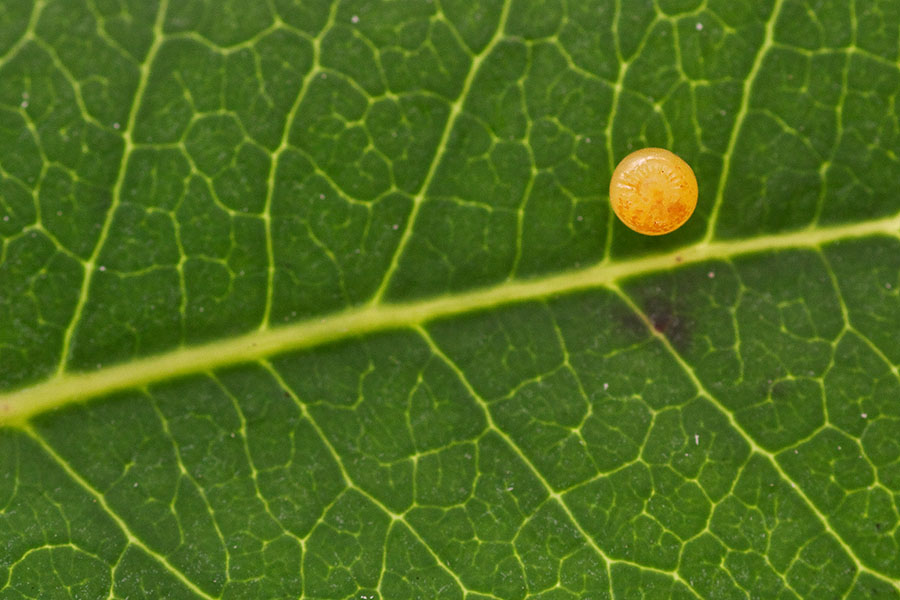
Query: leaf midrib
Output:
(16,407)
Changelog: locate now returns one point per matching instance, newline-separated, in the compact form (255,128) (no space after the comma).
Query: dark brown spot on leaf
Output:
(668,320)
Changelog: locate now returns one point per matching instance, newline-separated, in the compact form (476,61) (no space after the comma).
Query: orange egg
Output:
(653,191)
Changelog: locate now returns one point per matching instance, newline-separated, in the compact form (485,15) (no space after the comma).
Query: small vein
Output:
(276,157)
(254,472)
(455,111)
(26,36)
(556,496)
(117,188)
(747,437)
(184,472)
(101,500)
(767,43)
(348,481)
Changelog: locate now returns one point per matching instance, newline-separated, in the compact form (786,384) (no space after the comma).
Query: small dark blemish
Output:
(669,321)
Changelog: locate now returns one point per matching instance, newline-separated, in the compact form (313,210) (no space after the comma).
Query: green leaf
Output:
(320,299)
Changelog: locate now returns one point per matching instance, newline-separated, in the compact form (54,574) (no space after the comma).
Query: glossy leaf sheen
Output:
(325,300)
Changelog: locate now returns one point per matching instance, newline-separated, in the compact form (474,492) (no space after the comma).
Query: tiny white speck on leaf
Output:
(395,227)
(796,451)
(321,196)
(6,217)
(711,274)
(887,285)
(354,19)
(864,415)
(324,76)
(696,439)
(587,140)
(605,386)
(699,26)
(24,104)
(102,267)
(579,218)
(116,125)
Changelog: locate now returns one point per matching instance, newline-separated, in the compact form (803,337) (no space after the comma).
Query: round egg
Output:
(653,191)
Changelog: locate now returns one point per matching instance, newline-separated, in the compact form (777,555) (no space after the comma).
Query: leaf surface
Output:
(324,299)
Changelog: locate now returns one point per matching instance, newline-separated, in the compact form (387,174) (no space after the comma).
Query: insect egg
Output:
(653,191)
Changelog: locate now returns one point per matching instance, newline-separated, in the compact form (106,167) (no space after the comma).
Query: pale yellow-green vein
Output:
(18,406)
